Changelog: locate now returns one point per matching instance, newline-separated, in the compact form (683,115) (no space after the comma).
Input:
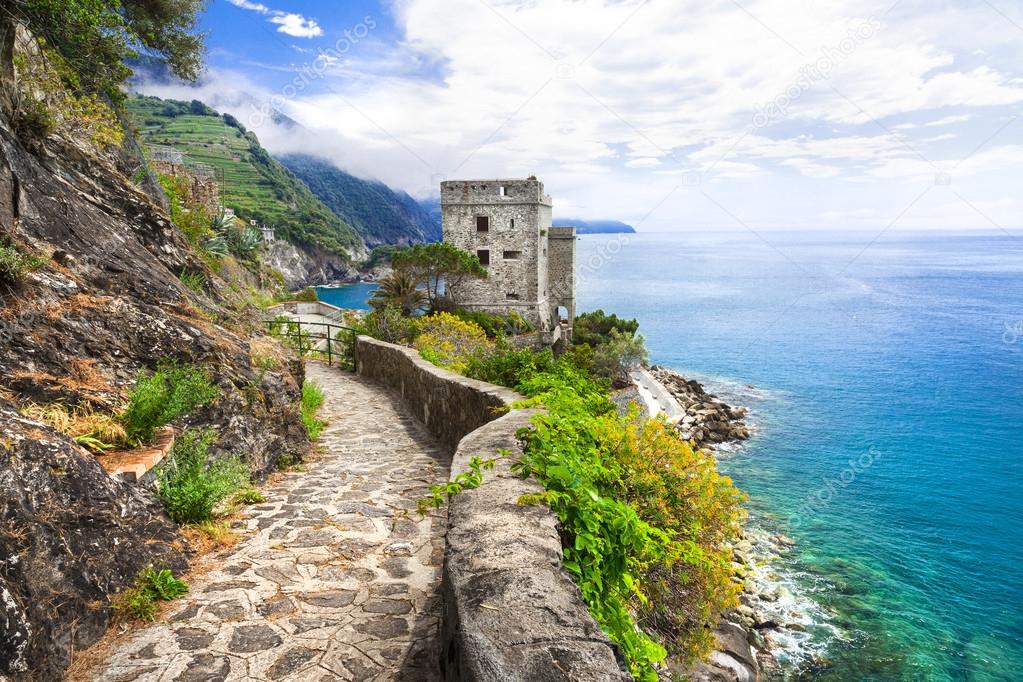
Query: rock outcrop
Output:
(103,301)
(309,265)
(707,420)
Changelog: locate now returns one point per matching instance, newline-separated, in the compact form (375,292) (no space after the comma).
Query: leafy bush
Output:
(307,295)
(157,399)
(496,326)
(645,520)
(622,353)
(14,264)
(388,324)
(594,328)
(312,401)
(190,485)
(450,342)
(150,586)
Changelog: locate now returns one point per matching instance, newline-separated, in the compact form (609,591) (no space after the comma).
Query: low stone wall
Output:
(512,613)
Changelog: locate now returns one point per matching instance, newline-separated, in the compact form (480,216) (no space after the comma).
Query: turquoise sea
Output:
(885,380)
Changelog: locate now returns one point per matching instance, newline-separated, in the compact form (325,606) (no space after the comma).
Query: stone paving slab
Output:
(334,583)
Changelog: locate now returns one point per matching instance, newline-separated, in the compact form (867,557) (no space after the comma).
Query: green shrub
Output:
(645,520)
(622,353)
(307,295)
(388,324)
(449,342)
(312,401)
(594,328)
(190,485)
(249,496)
(157,399)
(150,586)
(14,264)
(496,326)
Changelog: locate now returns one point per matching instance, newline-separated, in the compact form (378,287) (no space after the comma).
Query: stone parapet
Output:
(512,613)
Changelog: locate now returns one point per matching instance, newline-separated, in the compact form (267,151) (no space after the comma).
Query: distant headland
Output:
(595,226)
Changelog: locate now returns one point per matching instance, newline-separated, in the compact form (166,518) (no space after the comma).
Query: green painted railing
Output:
(324,340)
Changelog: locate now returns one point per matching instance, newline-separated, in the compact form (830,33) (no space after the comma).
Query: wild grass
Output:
(190,485)
(166,394)
(96,431)
(312,401)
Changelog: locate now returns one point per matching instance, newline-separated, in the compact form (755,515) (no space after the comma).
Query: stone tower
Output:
(530,265)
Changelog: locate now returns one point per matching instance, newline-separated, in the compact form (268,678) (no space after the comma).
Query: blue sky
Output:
(757,114)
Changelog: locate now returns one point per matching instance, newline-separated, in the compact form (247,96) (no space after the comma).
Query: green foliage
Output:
(312,401)
(594,328)
(157,399)
(450,342)
(307,295)
(256,186)
(467,480)
(196,281)
(496,326)
(380,214)
(380,255)
(390,325)
(243,242)
(14,264)
(399,290)
(96,36)
(438,265)
(622,353)
(139,600)
(645,520)
(192,219)
(249,496)
(190,485)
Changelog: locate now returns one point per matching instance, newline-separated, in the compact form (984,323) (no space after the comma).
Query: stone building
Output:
(530,265)
(201,182)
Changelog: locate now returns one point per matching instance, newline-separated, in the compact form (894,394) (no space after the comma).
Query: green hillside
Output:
(255,185)
(380,214)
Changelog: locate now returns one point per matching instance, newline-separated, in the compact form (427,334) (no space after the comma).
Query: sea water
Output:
(886,383)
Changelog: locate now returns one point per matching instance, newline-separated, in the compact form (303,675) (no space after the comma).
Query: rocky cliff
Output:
(101,301)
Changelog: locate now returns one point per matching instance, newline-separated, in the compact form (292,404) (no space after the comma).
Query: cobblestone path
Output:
(330,582)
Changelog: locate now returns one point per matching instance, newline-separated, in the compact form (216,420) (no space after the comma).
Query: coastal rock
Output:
(707,420)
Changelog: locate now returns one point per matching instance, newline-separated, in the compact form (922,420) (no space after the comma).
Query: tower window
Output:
(484,256)
(511,223)
(501,192)
(511,255)
(482,223)
(511,296)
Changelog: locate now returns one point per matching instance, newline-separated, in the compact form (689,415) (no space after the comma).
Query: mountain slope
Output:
(595,226)
(255,184)
(380,214)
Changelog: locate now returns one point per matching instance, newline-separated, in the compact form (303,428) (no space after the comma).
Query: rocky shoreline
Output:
(767,619)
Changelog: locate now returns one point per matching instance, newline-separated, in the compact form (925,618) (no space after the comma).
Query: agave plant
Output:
(216,245)
(244,242)
(400,289)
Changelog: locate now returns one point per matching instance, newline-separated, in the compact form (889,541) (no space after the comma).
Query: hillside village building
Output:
(530,265)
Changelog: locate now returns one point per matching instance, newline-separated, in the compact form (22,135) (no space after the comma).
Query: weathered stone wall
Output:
(202,190)
(519,216)
(561,268)
(512,613)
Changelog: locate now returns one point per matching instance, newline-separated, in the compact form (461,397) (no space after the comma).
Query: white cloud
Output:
(292,24)
(296,25)
(612,103)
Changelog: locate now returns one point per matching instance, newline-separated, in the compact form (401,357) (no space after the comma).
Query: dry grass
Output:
(77,422)
(210,536)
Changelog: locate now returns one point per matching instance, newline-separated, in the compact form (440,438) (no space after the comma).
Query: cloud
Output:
(615,104)
(292,24)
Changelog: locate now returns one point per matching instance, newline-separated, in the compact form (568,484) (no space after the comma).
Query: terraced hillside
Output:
(255,184)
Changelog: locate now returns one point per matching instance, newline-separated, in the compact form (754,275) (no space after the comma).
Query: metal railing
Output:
(323,340)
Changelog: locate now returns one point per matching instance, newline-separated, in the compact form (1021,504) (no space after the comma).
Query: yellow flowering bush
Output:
(450,342)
